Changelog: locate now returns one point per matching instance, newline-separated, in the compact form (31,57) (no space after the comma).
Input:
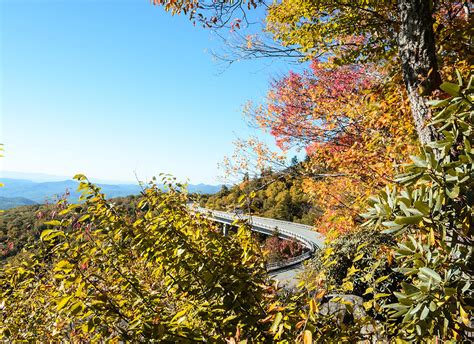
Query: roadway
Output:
(285,270)
(285,229)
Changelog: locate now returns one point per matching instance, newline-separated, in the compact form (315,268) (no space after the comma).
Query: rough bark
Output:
(416,42)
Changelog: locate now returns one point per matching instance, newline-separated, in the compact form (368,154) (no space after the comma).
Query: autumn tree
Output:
(353,129)
(400,33)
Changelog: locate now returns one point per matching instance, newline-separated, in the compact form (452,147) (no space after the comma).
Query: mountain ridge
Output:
(13,202)
(26,191)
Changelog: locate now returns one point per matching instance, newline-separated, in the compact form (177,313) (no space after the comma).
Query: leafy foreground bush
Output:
(359,263)
(432,212)
(163,274)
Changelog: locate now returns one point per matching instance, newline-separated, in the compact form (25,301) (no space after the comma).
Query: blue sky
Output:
(113,88)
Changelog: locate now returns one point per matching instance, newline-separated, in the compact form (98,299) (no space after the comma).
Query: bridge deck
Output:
(296,230)
(303,233)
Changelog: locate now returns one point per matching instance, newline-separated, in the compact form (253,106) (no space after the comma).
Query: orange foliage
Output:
(354,128)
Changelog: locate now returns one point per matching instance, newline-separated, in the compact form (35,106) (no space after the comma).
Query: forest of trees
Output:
(20,227)
(275,195)
(383,106)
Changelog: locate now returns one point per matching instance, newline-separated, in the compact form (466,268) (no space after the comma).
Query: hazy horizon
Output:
(44,177)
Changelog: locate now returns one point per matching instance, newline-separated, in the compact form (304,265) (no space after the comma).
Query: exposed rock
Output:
(345,308)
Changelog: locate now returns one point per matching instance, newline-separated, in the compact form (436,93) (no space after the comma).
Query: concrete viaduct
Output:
(304,234)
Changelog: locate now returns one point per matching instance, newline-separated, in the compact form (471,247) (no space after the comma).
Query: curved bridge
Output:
(286,230)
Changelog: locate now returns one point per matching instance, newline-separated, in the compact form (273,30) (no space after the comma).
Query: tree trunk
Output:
(416,43)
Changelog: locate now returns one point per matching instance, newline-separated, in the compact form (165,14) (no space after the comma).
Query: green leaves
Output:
(408,220)
(450,88)
(431,274)
(420,162)
(434,206)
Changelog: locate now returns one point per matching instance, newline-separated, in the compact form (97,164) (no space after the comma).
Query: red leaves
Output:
(283,249)
(316,105)
(235,25)
(351,127)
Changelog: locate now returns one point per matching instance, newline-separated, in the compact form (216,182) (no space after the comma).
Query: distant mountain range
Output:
(12,202)
(16,192)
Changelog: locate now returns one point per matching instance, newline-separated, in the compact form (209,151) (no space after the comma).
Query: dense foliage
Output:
(274,195)
(166,274)
(360,31)
(20,227)
(359,263)
(433,211)
(411,282)
(360,108)
(276,250)
(353,128)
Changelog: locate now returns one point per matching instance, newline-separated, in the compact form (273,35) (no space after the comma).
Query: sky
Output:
(114,89)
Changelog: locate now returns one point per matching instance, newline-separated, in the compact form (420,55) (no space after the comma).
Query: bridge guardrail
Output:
(288,262)
(287,234)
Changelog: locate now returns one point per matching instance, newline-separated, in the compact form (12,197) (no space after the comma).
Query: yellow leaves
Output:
(347,286)
(275,307)
(368,305)
(84,217)
(352,271)
(381,295)
(390,257)
(80,177)
(381,279)
(432,239)
(276,322)
(63,302)
(313,306)
(307,337)
(80,290)
(64,267)
(465,318)
(53,223)
(180,316)
(165,261)
(50,234)
(76,308)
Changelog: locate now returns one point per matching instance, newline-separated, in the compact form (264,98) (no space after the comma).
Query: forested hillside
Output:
(11,202)
(20,227)
(274,195)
